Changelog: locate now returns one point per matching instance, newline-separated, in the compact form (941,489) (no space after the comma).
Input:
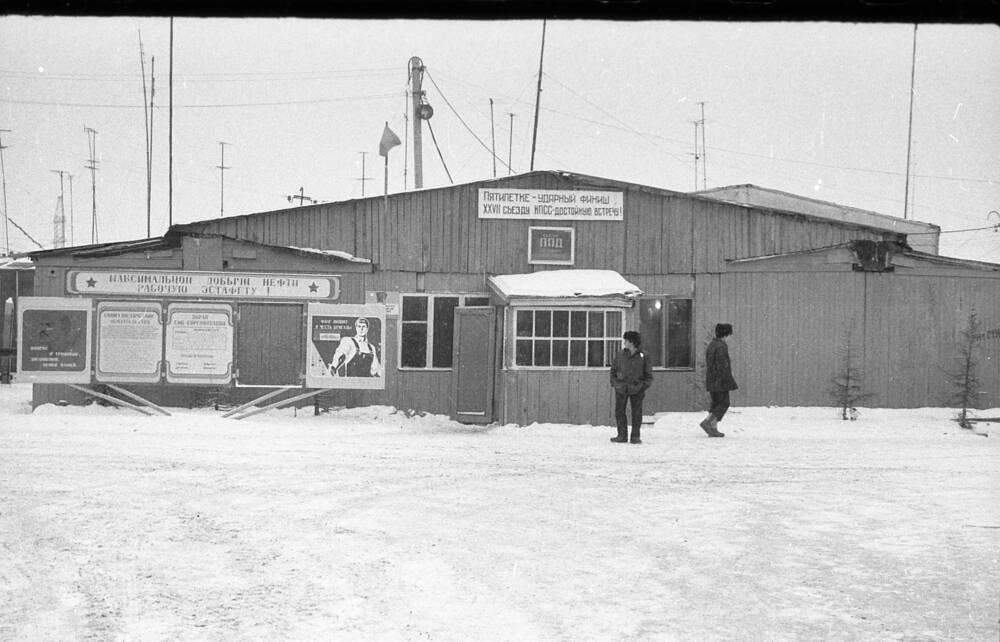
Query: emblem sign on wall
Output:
(345,346)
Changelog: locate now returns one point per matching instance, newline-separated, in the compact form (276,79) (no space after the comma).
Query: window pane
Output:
(542,353)
(444,330)
(651,329)
(524,326)
(560,353)
(413,352)
(596,326)
(679,333)
(522,355)
(611,351)
(560,323)
(477,300)
(543,323)
(577,353)
(414,308)
(595,354)
(578,324)
(613,329)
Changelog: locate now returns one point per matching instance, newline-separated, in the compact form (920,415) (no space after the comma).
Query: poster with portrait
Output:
(345,346)
(54,339)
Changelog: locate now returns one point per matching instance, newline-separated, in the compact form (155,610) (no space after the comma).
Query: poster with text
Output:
(199,343)
(129,341)
(54,339)
(345,346)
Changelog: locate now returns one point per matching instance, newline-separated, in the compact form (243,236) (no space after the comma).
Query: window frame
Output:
(665,329)
(511,337)
(429,348)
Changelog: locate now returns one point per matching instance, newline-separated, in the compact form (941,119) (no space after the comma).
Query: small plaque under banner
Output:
(551,245)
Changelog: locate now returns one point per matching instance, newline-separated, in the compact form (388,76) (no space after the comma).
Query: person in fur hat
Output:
(631,376)
(718,379)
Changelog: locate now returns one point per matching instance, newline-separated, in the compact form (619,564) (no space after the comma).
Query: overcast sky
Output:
(816,109)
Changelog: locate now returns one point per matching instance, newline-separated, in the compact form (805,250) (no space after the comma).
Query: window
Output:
(554,338)
(665,326)
(427,328)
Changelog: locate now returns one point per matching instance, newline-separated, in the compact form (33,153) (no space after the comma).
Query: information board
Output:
(199,343)
(54,339)
(345,346)
(129,341)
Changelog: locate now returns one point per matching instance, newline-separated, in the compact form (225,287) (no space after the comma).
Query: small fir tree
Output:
(848,383)
(964,379)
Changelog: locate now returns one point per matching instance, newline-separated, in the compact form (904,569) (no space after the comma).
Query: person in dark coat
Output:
(631,376)
(718,379)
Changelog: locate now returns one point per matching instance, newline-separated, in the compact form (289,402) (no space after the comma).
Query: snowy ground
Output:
(367,525)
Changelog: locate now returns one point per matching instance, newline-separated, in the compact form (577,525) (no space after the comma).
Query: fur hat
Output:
(723,330)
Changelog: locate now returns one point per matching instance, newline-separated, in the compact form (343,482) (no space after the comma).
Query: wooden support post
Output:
(136,397)
(114,400)
(281,403)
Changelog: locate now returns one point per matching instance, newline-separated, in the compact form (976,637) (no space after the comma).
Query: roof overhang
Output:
(569,288)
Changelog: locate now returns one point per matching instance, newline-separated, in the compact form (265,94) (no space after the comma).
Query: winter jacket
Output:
(631,373)
(718,375)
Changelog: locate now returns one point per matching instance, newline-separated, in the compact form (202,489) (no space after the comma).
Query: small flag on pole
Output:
(389,140)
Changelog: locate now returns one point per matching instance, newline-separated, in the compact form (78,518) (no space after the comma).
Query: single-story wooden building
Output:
(470,333)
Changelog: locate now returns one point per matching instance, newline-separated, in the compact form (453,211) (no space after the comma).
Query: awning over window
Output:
(565,287)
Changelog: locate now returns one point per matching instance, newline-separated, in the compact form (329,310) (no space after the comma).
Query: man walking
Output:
(718,379)
(631,376)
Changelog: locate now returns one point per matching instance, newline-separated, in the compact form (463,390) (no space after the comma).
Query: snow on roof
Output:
(564,284)
(16,263)
(338,253)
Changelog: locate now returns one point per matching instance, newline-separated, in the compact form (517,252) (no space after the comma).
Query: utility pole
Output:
(3,176)
(92,166)
(170,134)
(909,127)
(364,175)
(417,95)
(72,235)
(696,155)
(704,167)
(493,138)
(149,174)
(538,98)
(222,179)
(510,143)
(301,198)
(59,221)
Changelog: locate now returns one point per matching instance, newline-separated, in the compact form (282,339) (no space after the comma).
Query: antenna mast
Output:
(909,127)
(59,221)
(3,176)
(538,98)
(92,166)
(222,179)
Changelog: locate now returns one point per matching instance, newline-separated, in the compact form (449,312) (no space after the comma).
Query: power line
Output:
(457,115)
(212,106)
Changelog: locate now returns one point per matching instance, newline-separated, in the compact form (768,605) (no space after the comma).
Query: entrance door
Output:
(270,345)
(473,366)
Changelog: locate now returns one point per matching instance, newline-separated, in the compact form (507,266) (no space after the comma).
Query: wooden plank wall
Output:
(437,230)
(557,396)
(782,354)
(913,326)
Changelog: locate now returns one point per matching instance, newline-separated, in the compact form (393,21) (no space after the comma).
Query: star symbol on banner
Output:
(313,287)
(91,282)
